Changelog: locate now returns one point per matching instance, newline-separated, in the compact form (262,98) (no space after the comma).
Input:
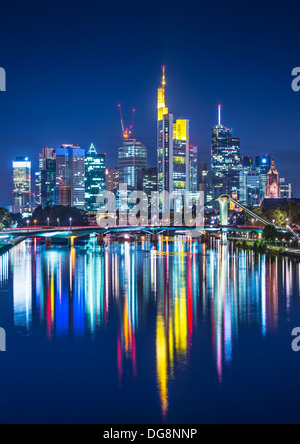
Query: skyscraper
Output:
(263,165)
(181,156)
(21,185)
(132,158)
(173,149)
(193,169)
(164,140)
(247,166)
(273,183)
(70,172)
(147,181)
(47,177)
(225,159)
(94,177)
(112,179)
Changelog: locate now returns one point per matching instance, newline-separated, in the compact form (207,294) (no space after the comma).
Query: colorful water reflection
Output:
(173,290)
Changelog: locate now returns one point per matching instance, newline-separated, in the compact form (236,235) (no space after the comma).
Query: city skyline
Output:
(72,176)
(45,105)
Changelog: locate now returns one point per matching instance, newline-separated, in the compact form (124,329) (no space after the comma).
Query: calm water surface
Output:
(184,333)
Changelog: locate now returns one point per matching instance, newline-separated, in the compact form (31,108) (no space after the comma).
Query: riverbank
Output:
(4,248)
(260,246)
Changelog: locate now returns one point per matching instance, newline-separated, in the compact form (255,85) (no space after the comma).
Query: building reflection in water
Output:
(78,291)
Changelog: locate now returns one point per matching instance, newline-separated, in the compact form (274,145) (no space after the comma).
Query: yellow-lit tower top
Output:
(161,103)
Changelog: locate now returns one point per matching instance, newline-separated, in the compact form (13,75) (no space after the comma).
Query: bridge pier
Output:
(223,202)
(48,243)
(154,239)
(100,239)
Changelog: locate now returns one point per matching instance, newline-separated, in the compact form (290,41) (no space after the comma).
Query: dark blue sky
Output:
(70,62)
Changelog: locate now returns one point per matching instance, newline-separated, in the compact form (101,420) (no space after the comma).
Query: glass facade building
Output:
(225,160)
(47,177)
(263,165)
(193,169)
(132,158)
(112,179)
(94,177)
(21,185)
(70,172)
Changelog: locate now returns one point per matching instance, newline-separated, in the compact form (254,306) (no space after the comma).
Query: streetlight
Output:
(57,222)
(34,222)
(70,219)
(48,221)
(27,223)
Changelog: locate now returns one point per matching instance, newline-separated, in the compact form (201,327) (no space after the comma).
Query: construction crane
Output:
(127,133)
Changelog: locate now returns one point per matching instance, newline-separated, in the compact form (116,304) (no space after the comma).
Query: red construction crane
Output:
(127,133)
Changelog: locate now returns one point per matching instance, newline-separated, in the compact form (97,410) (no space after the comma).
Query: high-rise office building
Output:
(252,188)
(225,159)
(132,158)
(21,185)
(247,166)
(173,149)
(70,172)
(193,169)
(181,156)
(94,177)
(147,181)
(286,189)
(47,177)
(263,165)
(273,183)
(112,179)
(164,140)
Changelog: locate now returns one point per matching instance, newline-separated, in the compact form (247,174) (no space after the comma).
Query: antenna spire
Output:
(163,83)
(219,115)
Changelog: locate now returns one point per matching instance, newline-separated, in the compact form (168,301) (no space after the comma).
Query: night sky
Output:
(70,62)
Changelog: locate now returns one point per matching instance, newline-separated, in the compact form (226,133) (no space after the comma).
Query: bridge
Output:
(154,230)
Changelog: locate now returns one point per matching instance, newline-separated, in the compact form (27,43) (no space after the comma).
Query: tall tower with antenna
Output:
(225,159)
(164,139)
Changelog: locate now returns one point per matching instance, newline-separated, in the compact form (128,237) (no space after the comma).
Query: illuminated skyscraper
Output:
(94,177)
(225,159)
(173,148)
(164,140)
(132,158)
(70,172)
(21,185)
(263,165)
(181,156)
(193,169)
(112,179)
(47,177)
(147,180)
